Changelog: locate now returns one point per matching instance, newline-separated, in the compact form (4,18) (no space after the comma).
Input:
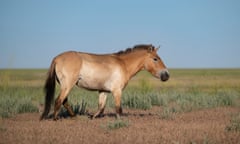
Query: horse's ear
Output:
(151,48)
(157,48)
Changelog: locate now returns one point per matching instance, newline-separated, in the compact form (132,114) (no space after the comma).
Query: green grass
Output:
(21,91)
(116,124)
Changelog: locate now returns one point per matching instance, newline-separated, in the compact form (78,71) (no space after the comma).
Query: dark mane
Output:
(136,47)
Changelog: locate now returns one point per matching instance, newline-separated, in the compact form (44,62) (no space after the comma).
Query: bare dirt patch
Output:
(204,126)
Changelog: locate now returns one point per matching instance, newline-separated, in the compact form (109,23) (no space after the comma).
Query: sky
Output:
(190,33)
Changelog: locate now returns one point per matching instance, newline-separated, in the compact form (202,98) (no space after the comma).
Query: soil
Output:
(203,126)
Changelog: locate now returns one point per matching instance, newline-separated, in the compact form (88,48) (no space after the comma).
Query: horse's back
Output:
(68,60)
(77,59)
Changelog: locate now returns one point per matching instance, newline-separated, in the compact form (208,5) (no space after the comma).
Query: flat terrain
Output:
(203,126)
(194,106)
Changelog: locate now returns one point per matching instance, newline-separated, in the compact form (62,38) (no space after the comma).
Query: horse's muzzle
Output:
(164,75)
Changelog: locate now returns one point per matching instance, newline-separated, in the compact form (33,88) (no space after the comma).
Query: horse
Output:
(105,73)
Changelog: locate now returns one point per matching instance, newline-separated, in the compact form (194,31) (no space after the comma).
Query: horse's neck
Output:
(133,63)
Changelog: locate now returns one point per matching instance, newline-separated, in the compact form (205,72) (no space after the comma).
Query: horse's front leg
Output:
(101,104)
(117,98)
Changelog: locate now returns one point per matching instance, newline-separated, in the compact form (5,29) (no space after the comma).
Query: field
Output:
(194,106)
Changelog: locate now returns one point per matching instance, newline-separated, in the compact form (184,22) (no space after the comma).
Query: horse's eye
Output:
(155,59)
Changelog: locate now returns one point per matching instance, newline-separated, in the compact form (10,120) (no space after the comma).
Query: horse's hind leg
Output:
(68,107)
(59,101)
(101,104)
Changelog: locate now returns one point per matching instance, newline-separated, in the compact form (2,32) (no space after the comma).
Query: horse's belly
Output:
(92,84)
(95,82)
(99,77)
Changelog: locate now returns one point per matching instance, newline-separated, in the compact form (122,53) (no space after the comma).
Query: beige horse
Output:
(103,73)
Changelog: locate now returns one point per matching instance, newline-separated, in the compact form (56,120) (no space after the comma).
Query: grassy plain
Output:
(194,106)
(187,90)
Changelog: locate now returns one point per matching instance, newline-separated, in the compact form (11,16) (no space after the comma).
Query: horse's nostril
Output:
(164,76)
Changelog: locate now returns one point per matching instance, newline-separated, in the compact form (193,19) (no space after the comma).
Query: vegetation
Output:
(113,125)
(234,123)
(21,91)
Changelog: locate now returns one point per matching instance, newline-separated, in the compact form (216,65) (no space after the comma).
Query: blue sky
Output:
(192,34)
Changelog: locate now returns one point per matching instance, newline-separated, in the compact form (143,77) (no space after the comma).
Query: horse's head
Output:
(155,65)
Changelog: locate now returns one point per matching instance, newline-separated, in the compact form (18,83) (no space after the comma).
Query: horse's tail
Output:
(49,90)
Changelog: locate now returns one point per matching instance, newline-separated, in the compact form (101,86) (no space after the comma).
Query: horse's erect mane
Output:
(136,47)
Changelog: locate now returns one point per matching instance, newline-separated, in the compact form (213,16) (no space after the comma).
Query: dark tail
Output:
(49,90)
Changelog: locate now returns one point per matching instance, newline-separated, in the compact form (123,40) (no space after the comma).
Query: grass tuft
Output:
(234,124)
(167,113)
(117,124)
(136,100)
(26,107)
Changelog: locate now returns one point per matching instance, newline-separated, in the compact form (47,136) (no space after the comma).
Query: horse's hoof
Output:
(56,118)
(90,116)
(99,116)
